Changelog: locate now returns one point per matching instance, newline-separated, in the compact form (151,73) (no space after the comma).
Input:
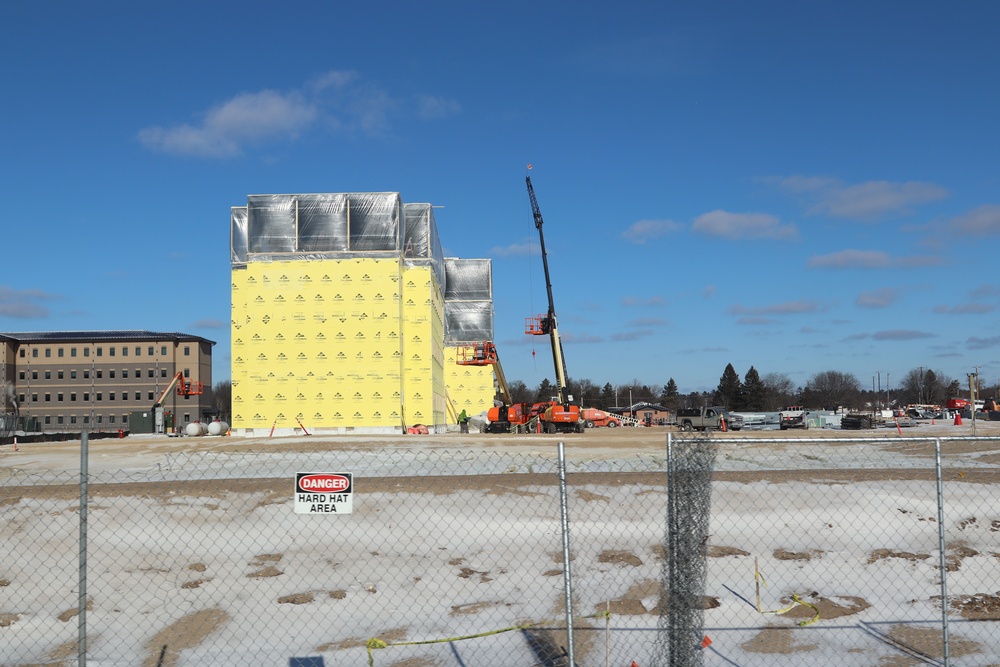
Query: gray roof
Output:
(111,335)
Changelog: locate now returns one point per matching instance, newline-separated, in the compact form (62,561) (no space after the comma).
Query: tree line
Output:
(827,390)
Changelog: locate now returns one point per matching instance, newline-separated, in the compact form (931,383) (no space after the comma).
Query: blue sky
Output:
(795,187)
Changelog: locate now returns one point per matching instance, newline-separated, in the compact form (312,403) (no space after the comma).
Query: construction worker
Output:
(463,421)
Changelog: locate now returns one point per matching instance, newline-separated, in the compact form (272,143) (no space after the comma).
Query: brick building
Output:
(76,380)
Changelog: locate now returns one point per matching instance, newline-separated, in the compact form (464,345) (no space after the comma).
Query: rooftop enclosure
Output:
(351,225)
(346,314)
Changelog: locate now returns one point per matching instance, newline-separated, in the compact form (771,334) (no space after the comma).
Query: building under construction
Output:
(347,317)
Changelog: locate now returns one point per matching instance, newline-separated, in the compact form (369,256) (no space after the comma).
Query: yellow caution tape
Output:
(375,642)
(796,600)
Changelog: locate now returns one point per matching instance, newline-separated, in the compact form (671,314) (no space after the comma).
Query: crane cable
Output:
(531,286)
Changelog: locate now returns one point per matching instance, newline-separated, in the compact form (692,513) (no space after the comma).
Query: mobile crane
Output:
(562,415)
(184,389)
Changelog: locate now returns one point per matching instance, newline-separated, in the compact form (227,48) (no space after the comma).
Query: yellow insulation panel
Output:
(470,388)
(336,344)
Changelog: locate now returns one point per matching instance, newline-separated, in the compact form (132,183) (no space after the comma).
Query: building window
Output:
(100,419)
(20,398)
(86,351)
(34,353)
(163,350)
(86,419)
(187,350)
(48,420)
(21,375)
(138,395)
(150,372)
(138,350)
(100,395)
(150,396)
(72,351)
(111,374)
(72,419)
(21,353)
(111,395)
(111,419)
(163,372)
(86,375)
(86,397)
(150,350)
(48,352)
(60,352)
(187,418)
(72,396)
(111,351)
(34,375)
(138,373)
(59,397)
(48,398)
(100,352)
(100,374)
(72,375)
(48,375)
(187,372)
(124,372)
(59,374)
(60,419)
(34,398)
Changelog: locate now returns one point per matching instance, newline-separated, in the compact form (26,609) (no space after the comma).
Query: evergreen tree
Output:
(754,391)
(546,390)
(608,396)
(728,392)
(668,396)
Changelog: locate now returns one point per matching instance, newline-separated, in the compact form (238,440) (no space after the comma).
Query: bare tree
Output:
(832,389)
(779,391)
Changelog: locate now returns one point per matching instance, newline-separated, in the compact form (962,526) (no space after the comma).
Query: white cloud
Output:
(982,221)
(965,309)
(870,200)
(338,100)
(512,250)
(786,308)
(740,226)
(23,304)
(868,259)
(879,298)
(644,230)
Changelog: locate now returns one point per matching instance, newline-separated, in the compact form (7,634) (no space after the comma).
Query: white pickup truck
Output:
(792,417)
(708,419)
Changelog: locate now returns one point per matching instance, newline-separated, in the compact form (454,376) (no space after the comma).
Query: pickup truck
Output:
(707,418)
(792,417)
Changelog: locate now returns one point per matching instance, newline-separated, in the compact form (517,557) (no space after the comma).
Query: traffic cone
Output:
(722,421)
(958,419)
(15,443)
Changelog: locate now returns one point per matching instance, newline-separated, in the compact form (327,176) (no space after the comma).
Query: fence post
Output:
(81,648)
(942,561)
(567,576)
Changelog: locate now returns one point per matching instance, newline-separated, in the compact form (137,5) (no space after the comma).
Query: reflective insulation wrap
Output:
(468,321)
(421,239)
(373,221)
(468,279)
(324,223)
(238,235)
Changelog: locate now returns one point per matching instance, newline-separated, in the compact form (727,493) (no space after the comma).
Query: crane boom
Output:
(548,323)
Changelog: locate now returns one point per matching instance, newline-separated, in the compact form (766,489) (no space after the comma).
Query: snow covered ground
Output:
(193,545)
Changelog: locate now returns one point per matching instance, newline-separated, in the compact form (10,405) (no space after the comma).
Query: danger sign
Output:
(323,493)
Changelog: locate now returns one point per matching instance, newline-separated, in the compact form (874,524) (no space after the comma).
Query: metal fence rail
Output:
(826,551)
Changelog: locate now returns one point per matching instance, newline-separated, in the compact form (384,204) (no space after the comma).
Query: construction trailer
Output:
(346,317)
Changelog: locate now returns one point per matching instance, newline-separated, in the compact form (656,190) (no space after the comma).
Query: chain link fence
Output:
(818,550)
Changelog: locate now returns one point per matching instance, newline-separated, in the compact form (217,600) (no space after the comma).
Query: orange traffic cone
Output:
(722,421)
(15,443)
(958,419)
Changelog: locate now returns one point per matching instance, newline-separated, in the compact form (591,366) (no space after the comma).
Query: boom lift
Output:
(184,389)
(505,416)
(562,415)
